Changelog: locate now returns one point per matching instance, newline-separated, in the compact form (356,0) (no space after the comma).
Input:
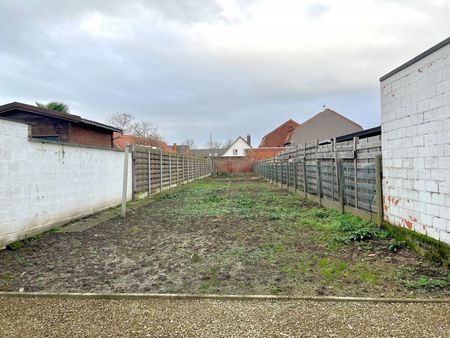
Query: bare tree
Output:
(211,144)
(145,130)
(122,121)
(228,144)
(190,143)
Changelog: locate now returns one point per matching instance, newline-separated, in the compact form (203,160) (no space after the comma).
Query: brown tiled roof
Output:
(278,136)
(121,140)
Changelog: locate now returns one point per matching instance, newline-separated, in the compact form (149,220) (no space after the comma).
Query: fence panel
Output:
(154,170)
(343,173)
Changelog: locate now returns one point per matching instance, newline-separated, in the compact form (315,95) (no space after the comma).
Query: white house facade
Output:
(238,148)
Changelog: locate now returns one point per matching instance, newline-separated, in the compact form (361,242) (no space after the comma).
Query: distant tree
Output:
(211,144)
(122,121)
(53,105)
(228,144)
(190,143)
(145,130)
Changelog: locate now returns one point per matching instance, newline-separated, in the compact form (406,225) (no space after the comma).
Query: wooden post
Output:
(125,181)
(305,180)
(341,184)
(379,188)
(319,184)
(160,170)
(149,171)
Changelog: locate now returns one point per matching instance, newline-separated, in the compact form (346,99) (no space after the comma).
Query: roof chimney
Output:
(174,147)
(249,140)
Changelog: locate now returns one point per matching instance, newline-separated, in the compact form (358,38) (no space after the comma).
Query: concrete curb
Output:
(148,296)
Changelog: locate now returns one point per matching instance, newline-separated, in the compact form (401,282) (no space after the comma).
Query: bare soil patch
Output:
(226,235)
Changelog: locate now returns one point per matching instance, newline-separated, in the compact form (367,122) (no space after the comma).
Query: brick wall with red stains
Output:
(415,115)
(244,164)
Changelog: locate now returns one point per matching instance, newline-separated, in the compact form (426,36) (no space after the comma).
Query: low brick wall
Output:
(243,164)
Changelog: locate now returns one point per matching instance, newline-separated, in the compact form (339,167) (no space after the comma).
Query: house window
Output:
(235,151)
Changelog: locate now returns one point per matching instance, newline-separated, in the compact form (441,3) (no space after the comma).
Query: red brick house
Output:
(57,126)
(279,136)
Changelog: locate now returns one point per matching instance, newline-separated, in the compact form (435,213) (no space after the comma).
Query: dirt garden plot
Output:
(226,235)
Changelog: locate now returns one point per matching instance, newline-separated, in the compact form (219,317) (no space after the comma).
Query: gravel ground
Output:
(50,317)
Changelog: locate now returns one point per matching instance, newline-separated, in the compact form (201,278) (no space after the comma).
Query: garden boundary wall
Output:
(47,183)
(244,164)
(415,116)
(343,175)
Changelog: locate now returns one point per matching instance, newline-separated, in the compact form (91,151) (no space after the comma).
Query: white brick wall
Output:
(42,184)
(415,116)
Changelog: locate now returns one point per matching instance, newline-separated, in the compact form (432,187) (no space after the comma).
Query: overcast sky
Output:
(225,67)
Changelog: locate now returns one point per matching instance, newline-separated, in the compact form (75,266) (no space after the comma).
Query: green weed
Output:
(426,283)
(333,268)
(397,245)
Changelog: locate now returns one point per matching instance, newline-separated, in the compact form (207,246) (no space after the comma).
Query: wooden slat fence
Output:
(155,170)
(343,175)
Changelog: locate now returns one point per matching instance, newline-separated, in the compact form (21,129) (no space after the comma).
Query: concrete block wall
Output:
(415,109)
(42,184)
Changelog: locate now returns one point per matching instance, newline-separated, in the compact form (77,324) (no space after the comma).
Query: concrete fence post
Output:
(341,183)
(133,173)
(305,179)
(182,167)
(160,170)
(295,175)
(125,181)
(319,183)
(149,172)
(355,168)
(170,170)
(288,175)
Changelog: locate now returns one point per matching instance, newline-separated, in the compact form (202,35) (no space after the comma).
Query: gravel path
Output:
(50,317)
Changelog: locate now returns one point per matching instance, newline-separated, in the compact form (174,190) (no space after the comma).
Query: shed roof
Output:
(6,108)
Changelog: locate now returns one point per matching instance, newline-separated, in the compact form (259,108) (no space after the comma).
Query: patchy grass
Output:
(228,235)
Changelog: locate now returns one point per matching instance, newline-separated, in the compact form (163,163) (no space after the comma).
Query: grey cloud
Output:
(159,74)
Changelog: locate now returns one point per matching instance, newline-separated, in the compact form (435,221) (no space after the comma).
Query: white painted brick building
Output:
(43,184)
(415,116)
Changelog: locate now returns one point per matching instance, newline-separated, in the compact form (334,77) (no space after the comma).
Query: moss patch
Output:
(428,247)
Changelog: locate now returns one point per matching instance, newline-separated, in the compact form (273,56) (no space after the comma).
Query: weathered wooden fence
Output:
(155,170)
(343,175)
